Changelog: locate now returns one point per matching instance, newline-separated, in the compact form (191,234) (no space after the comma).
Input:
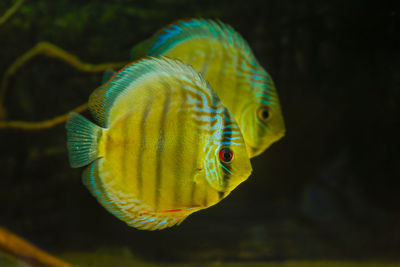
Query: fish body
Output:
(162,147)
(226,61)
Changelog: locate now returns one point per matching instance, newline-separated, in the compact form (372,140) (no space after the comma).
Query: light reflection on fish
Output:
(228,64)
(165,146)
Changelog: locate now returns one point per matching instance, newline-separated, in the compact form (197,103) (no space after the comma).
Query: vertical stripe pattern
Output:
(141,146)
(161,162)
(229,65)
(161,143)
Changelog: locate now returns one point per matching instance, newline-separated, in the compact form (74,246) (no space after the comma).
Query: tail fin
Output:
(83,137)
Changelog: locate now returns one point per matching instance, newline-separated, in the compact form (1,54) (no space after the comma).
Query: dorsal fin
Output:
(190,29)
(108,73)
(103,98)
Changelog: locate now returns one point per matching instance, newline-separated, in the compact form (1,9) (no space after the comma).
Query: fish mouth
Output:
(253,152)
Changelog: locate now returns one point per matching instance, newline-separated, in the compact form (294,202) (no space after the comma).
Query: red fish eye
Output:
(226,155)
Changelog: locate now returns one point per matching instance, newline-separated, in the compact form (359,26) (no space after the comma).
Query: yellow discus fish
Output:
(164,147)
(228,64)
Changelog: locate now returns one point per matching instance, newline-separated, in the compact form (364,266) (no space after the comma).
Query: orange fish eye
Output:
(263,113)
(226,155)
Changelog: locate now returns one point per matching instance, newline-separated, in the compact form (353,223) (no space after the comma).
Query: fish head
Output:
(227,163)
(261,121)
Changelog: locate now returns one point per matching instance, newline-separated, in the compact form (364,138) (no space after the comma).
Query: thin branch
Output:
(53,51)
(11,11)
(40,125)
(23,250)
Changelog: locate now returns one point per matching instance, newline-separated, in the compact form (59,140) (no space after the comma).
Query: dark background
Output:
(328,190)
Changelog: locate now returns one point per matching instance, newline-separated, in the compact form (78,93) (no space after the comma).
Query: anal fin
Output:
(126,206)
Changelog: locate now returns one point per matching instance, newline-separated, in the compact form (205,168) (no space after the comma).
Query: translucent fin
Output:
(142,49)
(97,105)
(103,98)
(190,29)
(82,139)
(124,205)
(107,75)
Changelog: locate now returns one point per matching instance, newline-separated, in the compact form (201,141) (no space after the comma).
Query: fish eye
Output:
(263,113)
(226,155)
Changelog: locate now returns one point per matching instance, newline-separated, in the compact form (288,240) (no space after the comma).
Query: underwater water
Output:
(326,194)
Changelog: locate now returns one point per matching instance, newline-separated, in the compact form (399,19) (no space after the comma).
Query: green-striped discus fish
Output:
(228,64)
(164,147)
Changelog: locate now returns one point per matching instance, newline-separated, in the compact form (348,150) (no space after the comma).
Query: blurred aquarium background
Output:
(327,191)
